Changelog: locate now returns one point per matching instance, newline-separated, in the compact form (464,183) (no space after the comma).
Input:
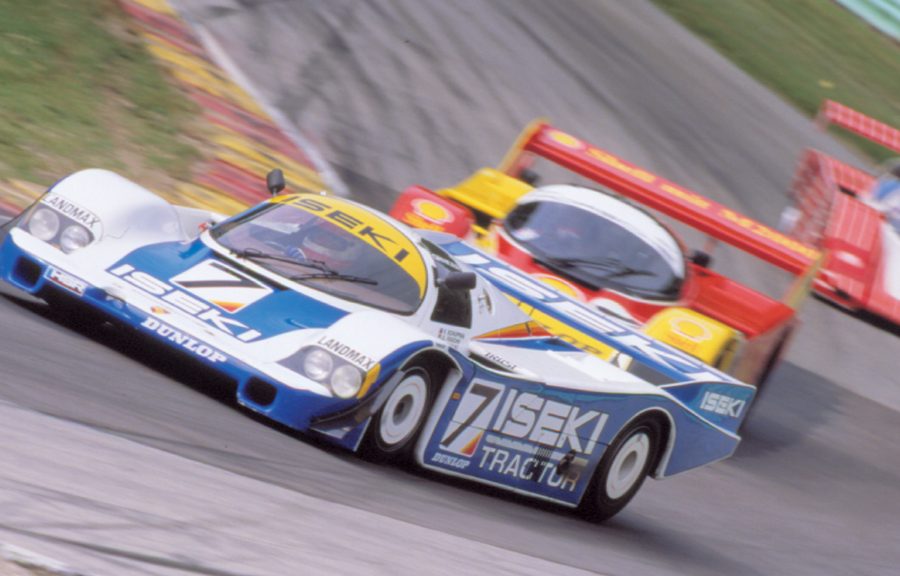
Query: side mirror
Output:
(275,181)
(459,281)
(701,258)
(530,177)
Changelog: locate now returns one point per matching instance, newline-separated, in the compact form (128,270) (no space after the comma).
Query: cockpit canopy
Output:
(598,240)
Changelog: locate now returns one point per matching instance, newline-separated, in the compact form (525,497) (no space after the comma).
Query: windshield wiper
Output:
(332,275)
(615,266)
(254,254)
(325,272)
(606,269)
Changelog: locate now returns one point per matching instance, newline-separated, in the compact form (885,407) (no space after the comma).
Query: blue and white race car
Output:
(335,320)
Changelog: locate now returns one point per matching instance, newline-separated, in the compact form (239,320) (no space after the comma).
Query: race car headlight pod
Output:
(345,381)
(43,224)
(58,229)
(75,236)
(317,364)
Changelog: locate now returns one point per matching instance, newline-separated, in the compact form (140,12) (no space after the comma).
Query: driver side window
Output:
(453,307)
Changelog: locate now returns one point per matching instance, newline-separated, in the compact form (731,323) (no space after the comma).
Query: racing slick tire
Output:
(396,427)
(623,468)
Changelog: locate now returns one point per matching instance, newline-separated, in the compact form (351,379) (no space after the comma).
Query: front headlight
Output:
(343,378)
(345,381)
(43,224)
(317,364)
(74,237)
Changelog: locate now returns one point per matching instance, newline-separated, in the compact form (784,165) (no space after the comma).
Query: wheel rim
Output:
(403,411)
(628,466)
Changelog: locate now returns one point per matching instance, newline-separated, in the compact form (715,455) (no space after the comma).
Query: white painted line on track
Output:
(226,63)
(26,558)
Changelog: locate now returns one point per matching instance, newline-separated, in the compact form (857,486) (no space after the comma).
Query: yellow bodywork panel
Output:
(488,191)
(700,336)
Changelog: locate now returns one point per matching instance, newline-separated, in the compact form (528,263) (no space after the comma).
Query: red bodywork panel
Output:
(830,197)
(733,303)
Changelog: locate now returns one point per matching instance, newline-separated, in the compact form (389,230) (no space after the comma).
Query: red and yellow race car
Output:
(605,245)
(853,216)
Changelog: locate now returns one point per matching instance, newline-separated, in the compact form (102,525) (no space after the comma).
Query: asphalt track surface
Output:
(118,462)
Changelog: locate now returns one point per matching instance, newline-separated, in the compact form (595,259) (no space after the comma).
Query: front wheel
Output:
(622,470)
(397,425)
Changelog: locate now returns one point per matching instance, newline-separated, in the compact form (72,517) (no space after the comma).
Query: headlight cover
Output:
(342,378)
(43,224)
(345,381)
(74,237)
(317,364)
(67,231)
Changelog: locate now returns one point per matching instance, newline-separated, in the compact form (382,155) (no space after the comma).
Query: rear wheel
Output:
(396,427)
(622,469)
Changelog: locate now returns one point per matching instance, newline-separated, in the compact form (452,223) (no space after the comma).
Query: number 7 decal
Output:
(221,285)
(473,415)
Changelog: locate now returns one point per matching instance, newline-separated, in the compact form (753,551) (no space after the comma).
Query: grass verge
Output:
(78,90)
(805,50)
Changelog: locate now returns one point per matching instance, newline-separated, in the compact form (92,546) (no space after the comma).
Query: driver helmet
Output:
(334,247)
(886,194)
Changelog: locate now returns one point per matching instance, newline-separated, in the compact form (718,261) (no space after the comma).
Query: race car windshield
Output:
(593,250)
(314,251)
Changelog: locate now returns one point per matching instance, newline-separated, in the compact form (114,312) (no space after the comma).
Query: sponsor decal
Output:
(485,305)
(452,337)
(67,281)
(366,226)
(451,461)
(431,211)
(495,408)
(722,404)
(346,352)
(184,302)
(81,215)
(499,360)
(767,233)
(535,468)
(221,285)
(503,431)
(689,329)
(190,344)
(577,145)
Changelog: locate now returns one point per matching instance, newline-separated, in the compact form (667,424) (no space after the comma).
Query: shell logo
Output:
(689,328)
(561,285)
(565,139)
(431,211)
